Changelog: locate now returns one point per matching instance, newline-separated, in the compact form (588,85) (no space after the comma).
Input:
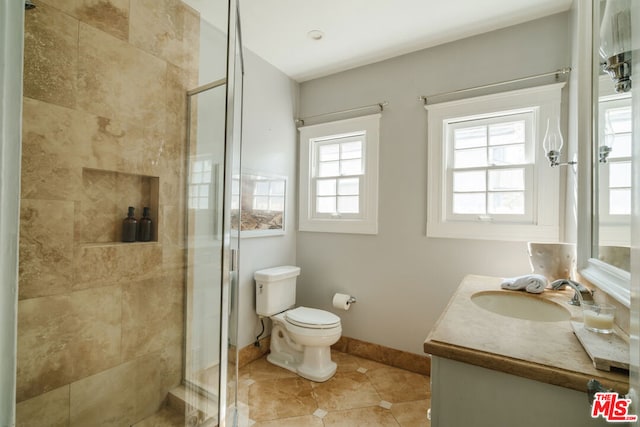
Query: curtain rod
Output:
(565,70)
(379,105)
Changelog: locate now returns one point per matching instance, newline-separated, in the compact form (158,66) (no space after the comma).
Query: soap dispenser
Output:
(129,227)
(144,228)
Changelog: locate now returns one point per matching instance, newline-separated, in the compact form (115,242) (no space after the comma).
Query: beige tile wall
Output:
(100,323)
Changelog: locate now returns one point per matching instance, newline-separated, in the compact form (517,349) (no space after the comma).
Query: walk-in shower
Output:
(108,332)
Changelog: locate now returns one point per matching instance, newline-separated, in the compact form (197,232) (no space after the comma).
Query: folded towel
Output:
(533,283)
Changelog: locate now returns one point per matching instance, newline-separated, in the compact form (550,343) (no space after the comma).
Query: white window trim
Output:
(368,223)
(546,101)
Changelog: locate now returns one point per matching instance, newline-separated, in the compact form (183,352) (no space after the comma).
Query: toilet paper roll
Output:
(342,301)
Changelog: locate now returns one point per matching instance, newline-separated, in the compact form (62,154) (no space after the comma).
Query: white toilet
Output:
(301,337)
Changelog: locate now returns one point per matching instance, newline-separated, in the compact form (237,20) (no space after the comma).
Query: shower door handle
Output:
(234,260)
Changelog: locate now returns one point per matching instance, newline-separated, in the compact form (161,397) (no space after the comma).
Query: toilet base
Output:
(317,364)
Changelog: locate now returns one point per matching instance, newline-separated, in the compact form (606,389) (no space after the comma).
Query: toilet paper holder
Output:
(352,300)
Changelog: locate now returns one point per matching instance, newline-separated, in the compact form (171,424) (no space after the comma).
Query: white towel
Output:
(533,283)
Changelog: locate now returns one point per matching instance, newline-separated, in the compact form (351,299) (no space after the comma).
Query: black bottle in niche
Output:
(144,228)
(129,227)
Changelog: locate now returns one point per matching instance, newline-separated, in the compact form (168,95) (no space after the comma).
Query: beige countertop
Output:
(544,351)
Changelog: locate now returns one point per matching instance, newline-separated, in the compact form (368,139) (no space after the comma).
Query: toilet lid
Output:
(312,318)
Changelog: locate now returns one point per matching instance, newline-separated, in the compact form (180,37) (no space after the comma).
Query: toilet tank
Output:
(275,289)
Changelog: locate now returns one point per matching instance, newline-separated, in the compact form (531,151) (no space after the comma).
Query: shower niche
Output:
(106,196)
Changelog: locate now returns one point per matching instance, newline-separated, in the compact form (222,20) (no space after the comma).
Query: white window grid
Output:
(338,176)
(499,169)
(200,183)
(268,195)
(615,185)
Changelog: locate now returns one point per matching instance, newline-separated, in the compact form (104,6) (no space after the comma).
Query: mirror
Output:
(612,135)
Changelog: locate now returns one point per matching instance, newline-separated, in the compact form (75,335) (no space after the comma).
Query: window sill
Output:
(492,231)
(611,280)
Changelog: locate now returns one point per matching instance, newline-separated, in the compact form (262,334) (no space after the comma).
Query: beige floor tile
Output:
(362,417)
(346,390)
(306,421)
(280,398)
(397,385)
(347,362)
(412,414)
(262,369)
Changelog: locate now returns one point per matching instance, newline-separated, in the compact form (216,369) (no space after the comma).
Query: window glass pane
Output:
(203,203)
(620,202)
(348,204)
(351,150)
(351,167)
(470,137)
(621,146)
(469,181)
(261,188)
(507,154)
(276,203)
(506,179)
(470,158)
(328,152)
(469,203)
(203,190)
(619,119)
(329,169)
(261,203)
(206,177)
(507,133)
(197,166)
(349,186)
(326,187)
(276,188)
(619,174)
(325,204)
(206,167)
(506,203)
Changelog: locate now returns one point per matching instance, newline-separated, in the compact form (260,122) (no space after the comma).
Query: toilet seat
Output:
(311,318)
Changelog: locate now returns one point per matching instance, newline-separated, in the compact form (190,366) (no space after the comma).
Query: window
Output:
(339,176)
(488,176)
(614,192)
(200,184)
(268,194)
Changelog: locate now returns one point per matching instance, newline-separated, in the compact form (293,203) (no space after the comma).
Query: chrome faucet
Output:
(582,293)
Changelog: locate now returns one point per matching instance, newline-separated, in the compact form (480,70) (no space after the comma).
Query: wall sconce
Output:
(553,143)
(606,141)
(615,43)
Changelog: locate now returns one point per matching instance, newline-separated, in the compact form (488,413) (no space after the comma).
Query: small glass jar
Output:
(598,317)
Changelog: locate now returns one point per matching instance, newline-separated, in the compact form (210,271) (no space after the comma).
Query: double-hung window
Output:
(488,177)
(339,176)
(615,129)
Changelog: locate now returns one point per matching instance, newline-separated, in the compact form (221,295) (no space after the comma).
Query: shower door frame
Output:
(230,251)
(11,59)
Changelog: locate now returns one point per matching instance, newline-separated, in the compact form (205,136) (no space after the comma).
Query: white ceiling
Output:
(359,32)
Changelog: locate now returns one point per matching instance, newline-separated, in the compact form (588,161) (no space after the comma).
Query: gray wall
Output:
(403,279)
(268,146)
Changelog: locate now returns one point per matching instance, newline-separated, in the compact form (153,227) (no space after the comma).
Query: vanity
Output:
(489,369)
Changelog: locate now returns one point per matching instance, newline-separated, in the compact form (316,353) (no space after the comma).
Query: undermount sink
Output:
(521,306)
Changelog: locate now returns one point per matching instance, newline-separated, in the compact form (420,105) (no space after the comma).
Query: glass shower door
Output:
(208,243)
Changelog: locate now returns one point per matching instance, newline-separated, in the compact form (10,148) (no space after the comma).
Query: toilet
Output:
(301,337)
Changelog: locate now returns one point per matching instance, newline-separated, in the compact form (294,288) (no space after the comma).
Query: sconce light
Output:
(606,141)
(615,43)
(553,143)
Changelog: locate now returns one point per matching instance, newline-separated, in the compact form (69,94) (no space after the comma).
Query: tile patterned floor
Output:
(362,393)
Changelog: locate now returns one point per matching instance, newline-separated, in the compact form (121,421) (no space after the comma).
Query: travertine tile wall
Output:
(100,323)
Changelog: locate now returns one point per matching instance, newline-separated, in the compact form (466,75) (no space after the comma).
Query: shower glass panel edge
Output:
(213,150)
